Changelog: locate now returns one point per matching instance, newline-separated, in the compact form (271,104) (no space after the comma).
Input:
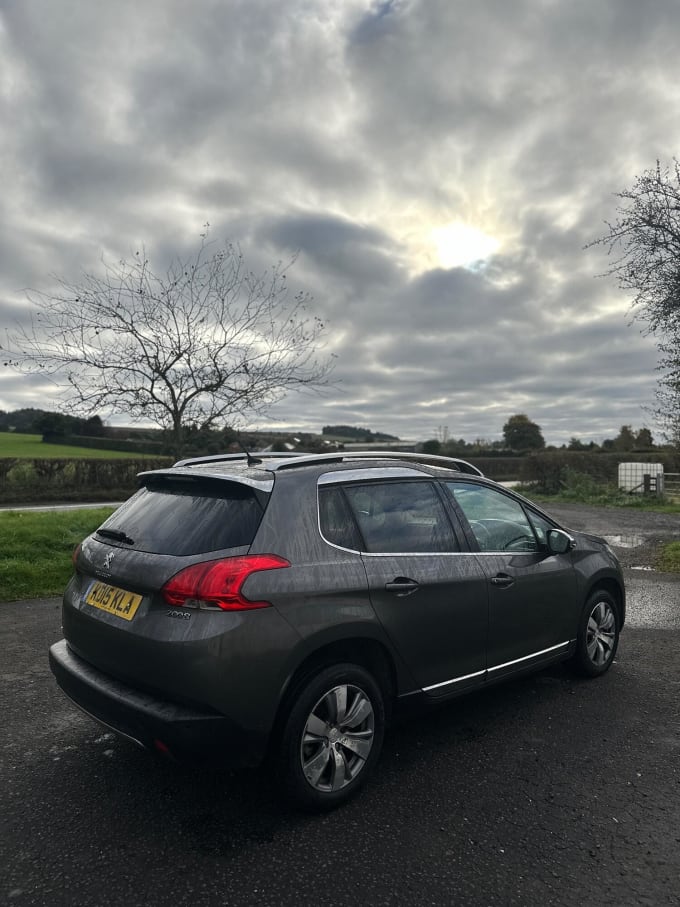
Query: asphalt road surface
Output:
(545,791)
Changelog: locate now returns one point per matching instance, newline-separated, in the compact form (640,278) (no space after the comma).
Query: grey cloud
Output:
(362,256)
(377,23)
(317,127)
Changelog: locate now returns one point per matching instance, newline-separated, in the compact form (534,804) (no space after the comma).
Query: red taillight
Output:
(76,552)
(218,583)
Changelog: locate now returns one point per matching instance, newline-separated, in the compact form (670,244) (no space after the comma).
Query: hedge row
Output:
(500,469)
(549,470)
(28,481)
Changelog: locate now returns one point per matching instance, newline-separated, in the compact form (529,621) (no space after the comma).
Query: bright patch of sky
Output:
(460,245)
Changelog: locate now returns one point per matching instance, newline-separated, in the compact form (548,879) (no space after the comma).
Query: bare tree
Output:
(644,244)
(208,343)
(667,408)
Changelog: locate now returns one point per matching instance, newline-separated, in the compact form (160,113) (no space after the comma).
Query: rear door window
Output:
(183,518)
(401,517)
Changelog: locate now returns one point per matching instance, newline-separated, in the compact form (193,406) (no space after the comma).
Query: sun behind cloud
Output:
(460,245)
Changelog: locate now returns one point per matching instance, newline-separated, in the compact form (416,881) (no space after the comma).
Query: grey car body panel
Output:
(536,610)
(451,594)
(146,719)
(595,565)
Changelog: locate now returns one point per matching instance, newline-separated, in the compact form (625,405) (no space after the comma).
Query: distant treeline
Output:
(40,422)
(346,432)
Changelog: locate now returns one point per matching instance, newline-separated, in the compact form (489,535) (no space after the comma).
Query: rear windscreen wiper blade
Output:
(117,535)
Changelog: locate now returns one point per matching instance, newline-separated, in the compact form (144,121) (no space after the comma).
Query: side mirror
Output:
(559,542)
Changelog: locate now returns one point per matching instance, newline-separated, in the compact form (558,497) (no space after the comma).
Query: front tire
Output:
(332,737)
(598,635)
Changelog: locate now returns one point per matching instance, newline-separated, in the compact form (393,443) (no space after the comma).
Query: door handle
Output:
(502,580)
(402,586)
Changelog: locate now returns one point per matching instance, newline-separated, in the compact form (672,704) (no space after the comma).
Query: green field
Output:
(32,447)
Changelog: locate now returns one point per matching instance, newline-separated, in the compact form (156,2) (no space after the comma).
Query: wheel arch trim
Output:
(614,587)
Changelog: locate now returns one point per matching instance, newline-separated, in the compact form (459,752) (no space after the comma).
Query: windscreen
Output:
(186,517)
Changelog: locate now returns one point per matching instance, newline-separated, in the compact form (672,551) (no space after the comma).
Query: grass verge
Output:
(35,549)
(669,559)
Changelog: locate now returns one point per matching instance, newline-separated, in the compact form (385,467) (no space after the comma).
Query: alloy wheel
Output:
(338,738)
(601,633)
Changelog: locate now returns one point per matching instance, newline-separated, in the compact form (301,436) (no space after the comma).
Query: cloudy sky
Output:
(438,166)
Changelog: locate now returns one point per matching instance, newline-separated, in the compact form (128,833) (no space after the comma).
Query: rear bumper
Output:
(151,722)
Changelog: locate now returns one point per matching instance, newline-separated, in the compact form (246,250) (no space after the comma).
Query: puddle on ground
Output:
(625,541)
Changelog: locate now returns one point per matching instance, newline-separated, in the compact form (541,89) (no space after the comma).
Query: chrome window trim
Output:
(410,553)
(423,553)
(393,553)
(338,547)
(448,553)
(506,553)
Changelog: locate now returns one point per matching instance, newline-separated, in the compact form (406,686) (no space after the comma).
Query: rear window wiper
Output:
(117,535)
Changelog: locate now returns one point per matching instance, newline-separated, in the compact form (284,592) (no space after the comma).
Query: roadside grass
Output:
(669,559)
(32,447)
(36,548)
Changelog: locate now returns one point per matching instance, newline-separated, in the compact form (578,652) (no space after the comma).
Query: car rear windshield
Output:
(188,517)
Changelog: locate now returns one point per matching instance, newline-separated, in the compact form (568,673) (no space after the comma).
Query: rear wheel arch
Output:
(367,653)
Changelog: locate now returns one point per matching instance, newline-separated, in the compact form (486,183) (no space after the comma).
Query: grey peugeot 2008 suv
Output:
(282,606)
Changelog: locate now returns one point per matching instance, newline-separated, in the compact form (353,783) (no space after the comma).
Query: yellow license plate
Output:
(115,601)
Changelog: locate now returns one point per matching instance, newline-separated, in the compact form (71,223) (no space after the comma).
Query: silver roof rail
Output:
(234,457)
(291,460)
